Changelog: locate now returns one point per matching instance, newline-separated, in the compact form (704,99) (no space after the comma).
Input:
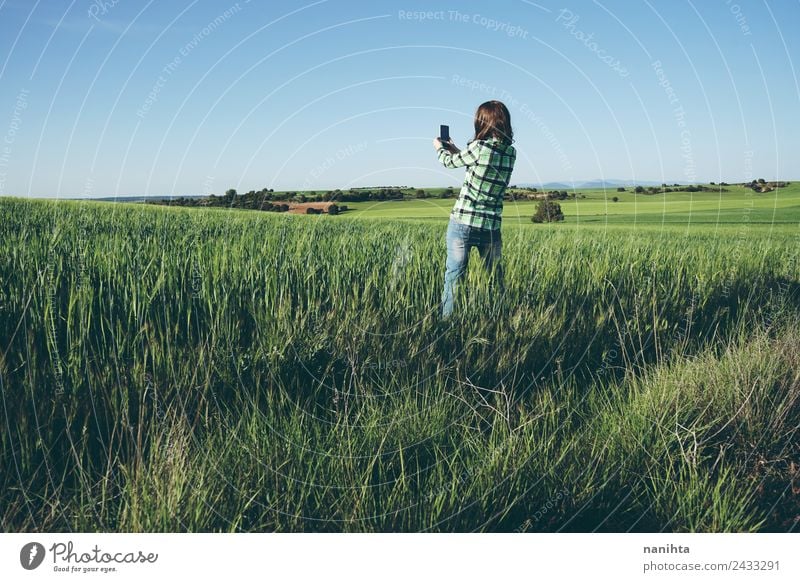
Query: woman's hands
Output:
(448,145)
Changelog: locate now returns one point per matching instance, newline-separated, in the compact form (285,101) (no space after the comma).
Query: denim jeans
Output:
(460,240)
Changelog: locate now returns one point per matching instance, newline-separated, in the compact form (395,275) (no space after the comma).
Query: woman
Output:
(475,219)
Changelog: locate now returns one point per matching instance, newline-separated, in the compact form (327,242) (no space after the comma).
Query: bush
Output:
(620,189)
(639,189)
(615,199)
(548,211)
(333,209)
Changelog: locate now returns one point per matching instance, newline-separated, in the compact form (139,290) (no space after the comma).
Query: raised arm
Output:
(466,157)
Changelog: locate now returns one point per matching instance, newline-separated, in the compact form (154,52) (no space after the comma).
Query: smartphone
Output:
(444,133)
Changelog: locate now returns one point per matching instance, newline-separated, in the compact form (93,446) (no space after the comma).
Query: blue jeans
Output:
(460,240)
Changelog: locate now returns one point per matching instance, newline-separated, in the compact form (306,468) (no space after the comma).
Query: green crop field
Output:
(738,207)
(174,369)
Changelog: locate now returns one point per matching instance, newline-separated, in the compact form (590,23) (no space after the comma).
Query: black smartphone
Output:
(444,133)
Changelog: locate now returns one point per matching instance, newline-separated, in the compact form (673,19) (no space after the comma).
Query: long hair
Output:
(492,119)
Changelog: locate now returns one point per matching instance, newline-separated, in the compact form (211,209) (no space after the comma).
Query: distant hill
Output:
(138,198)
(599,183)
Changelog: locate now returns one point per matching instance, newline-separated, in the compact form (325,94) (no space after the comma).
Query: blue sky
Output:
(116,97)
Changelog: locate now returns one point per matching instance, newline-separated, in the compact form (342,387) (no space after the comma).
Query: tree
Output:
(548,211)
(333,209)
(231,193)
(620,189)
(639,189)
(615,199)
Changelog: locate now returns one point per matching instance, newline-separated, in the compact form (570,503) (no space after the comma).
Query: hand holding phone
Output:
(444,141)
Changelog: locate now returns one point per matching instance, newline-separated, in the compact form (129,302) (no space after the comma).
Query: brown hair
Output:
(492,119)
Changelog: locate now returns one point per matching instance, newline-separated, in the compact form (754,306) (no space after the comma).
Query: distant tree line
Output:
(271,201)
(268,200)
(444,193)
(514,193)
(664,188)
(251,201)
(362,195)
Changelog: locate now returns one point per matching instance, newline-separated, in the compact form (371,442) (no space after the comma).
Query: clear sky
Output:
(124,97)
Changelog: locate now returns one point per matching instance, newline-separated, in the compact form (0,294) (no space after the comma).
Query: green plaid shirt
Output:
(489,165)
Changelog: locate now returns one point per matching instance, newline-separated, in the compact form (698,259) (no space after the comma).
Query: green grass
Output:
(738,208)
(170,369)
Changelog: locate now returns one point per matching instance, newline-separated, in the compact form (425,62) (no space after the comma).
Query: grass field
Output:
(167,369)
(779,209)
